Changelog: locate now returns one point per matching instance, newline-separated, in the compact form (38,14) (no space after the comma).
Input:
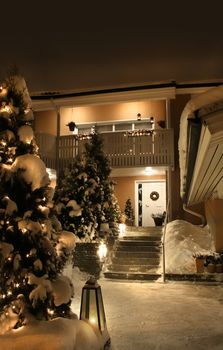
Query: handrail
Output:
(163,240)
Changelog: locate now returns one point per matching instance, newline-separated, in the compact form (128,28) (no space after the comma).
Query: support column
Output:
(214,216)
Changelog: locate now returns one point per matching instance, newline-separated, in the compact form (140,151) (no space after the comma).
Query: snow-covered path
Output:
(175,315)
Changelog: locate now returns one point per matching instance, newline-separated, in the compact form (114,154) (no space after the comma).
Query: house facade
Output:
(140,128)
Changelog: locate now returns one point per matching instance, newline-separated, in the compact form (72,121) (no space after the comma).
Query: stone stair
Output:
(137,255)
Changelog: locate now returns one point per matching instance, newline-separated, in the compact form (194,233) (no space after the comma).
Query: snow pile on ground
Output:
(182,241)
(58,334)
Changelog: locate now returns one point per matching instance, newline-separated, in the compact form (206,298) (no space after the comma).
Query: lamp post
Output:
(92,310)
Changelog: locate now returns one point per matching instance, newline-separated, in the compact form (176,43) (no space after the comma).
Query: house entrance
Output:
(150,199)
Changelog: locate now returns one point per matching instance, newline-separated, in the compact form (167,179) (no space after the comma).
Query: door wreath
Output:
(154,195)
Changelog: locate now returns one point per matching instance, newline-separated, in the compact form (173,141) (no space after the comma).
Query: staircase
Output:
(137,255)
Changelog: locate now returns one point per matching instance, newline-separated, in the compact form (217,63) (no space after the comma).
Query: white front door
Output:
(151,200)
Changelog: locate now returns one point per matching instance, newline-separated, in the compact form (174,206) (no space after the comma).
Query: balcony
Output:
(123,151)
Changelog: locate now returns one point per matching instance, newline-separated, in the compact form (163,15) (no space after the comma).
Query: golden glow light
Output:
(93,320)
(102,251)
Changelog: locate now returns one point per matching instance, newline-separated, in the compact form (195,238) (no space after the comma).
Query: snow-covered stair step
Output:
(141,238)
(132,275)
(155,247)
(133,268)
(154,253)
(138,243)
(136,261)
(143,229)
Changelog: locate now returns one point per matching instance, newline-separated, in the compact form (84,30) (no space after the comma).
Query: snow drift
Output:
(182,241)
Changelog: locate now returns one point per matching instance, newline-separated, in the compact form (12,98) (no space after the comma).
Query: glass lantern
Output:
(92,309)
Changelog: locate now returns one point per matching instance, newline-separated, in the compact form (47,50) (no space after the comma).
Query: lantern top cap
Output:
(92,281)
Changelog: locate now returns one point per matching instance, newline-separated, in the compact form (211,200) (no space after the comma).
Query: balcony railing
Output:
(123,151)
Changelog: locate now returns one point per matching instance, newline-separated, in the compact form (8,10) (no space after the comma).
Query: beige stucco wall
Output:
(112,112)
(125,188)
(46,122)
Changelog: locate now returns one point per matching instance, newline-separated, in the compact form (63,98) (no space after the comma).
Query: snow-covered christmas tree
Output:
(86,203)
(106,204)
(33,249)
(129,212)
(75,195)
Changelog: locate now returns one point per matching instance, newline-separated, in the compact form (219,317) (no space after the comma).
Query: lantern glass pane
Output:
(84,308)
(101,310)
(93,314)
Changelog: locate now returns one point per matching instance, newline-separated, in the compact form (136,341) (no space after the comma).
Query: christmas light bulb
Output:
(50,312)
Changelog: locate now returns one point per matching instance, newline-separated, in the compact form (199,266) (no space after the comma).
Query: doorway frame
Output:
(136,195)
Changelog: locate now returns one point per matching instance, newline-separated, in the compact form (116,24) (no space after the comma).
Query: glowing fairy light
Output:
(9,293)
(50,312)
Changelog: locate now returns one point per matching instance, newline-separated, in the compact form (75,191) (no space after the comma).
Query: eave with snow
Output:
(201,157)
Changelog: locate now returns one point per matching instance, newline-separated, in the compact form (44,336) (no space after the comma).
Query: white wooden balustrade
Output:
(123,151)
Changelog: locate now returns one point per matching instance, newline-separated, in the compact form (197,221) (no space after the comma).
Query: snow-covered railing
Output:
(123,151)
(163,241)
(143,150)
(47,149)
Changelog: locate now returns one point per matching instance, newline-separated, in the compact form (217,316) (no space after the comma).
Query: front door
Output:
(151,200)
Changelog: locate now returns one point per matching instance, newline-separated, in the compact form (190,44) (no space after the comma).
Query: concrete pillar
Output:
(214,216)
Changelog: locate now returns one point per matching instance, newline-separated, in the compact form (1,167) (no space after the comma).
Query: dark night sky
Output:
(71,45)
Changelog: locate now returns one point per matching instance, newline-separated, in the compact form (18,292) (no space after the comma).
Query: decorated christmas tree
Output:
(33,249)
(74,197)
(129,212)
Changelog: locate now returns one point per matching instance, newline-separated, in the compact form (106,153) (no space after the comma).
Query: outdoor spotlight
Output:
(92,310)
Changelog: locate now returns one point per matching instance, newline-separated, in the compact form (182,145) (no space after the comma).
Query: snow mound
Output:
(182,241)
(34,170)
(58,334)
